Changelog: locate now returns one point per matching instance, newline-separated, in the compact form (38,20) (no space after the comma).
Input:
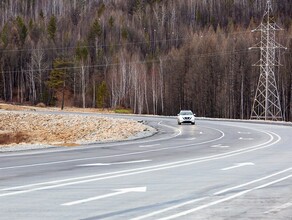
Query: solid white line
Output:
(84,179)
(93,178)
(251,182)
(117,155)
(187,212)
(273,182)
(204,206)
(169,209)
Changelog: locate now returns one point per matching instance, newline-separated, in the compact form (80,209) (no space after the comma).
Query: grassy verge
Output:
(123,111)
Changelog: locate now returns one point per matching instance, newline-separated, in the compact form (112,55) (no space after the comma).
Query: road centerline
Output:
(92,178)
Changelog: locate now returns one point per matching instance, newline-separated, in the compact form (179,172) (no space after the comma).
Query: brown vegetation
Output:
(13,138)
(63,130)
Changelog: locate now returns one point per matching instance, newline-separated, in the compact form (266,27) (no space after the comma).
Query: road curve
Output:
(213,170)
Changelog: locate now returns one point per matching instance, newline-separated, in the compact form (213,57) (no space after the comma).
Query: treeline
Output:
(152,56)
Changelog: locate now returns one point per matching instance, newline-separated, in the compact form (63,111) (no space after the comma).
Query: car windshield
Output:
(185,113)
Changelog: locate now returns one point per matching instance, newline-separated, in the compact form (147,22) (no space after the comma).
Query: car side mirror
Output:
(194,114)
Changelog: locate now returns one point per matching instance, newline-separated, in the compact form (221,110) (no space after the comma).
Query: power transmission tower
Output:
(266,104)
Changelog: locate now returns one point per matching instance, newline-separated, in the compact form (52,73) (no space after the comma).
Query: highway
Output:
(211,170)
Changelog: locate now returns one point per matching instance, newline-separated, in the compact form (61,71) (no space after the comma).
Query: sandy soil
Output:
(63,130)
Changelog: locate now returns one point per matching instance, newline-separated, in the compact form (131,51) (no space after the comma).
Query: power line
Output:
(120,44)
(204,55)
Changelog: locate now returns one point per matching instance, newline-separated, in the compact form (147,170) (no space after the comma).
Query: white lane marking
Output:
(246,139)
(201,132)
(191,139)
(187,212)
(279,208)
(159,167)
(238,165)
(252,182)
(243,132)
(86,179)
(220,146)
(169,208)
(119,155)
(109,164)
(116,193)
(149,146)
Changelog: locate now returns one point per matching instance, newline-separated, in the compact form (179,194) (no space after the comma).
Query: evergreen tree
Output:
(59,76)
(52,28)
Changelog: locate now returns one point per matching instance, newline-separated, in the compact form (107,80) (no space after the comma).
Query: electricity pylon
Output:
(266,104)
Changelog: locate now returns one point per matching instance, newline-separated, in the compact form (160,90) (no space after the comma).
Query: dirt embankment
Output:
(66,130)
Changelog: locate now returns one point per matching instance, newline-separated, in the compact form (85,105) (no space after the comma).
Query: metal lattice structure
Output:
(266,104)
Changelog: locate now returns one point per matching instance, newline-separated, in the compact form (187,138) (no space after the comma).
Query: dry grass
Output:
(28,127)
(68,130)
(9,107)
(11,138)
(42,107)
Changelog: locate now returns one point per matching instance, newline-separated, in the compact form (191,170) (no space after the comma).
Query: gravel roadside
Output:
(28,130)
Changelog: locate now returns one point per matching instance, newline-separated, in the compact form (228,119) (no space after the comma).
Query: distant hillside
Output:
(153,56)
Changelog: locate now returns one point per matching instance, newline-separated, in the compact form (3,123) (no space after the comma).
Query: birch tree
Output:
(81,56)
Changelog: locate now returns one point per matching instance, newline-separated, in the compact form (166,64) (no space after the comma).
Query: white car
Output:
(186,116)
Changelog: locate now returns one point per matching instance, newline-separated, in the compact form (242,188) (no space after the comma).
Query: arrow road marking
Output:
(238,165)
(116,193)
(109,164)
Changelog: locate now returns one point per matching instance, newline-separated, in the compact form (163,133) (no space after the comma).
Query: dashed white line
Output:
(118,155)
(237,166)
(220,146)
(243,132)
(246,139)
(130,172)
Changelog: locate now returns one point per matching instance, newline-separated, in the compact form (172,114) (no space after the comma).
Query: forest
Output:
(149,56)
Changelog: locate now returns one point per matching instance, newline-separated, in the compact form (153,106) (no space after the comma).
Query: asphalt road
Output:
(213,170)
